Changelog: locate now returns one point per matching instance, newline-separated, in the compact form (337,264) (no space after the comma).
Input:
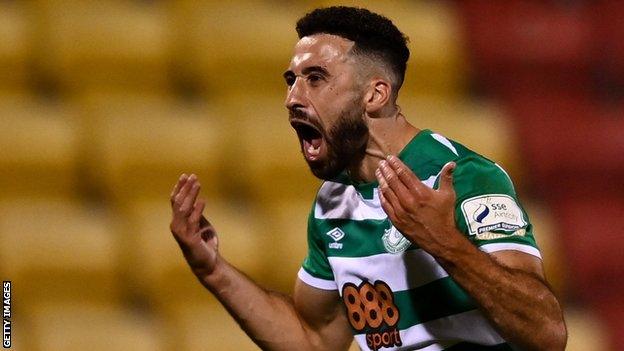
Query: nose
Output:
(295,98)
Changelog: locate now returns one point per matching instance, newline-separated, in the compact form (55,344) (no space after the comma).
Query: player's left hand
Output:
(423,215)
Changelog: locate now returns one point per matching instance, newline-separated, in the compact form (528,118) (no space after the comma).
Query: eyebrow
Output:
(308,70)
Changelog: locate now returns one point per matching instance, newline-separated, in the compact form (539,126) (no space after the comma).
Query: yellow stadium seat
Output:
(479,125)
(241,46)
(16,45)
(138,145)
(206,326)
(269,163)
(436,65)
(103,43)
(286,229)
(58,250)
(155,262)
(79,326)
(38,148)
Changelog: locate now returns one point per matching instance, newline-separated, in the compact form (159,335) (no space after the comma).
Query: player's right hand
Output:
(195,235)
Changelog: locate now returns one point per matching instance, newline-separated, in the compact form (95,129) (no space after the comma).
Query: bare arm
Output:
(313,319)
(508,286)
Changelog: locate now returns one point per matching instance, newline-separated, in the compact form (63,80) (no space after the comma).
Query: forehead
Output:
(321,50)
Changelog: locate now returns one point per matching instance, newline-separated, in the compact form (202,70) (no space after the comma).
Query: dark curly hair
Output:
(374,35)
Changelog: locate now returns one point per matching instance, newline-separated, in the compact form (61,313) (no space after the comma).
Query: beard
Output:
(346,144)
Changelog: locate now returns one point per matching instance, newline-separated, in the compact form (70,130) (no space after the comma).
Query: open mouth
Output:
(310,137)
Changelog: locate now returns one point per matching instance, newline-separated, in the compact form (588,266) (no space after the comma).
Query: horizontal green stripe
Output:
(438,299)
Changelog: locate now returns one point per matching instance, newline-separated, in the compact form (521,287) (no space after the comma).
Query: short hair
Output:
(374,35)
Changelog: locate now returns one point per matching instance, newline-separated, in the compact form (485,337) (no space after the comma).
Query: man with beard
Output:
(414,241)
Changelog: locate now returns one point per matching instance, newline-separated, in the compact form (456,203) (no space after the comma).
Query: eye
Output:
(314,78)
(290,80)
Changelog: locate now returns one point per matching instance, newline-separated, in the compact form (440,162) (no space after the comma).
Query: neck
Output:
(387,136)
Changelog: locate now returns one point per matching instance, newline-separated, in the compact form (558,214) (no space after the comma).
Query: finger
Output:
(179,198)
(446,177)
(176,188)
(405,174)
(388,193)
(392,179)
(187,205)
(196,215)
(387,207)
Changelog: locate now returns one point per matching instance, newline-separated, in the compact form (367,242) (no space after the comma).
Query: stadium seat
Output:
(585,330)
(155,265)
(608,48)
(117,44)
(39,151)
(79,326)
(592,234)
(285,228)
(59,250)
(570,143)
(205,326)
(137,145)
(480,125)
(273,165)
(528,45)
(237,46)
(16,48)
(436,65)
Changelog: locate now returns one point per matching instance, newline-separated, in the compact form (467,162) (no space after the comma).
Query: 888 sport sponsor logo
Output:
(371,309)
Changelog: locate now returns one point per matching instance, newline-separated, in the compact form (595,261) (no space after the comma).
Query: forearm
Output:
(269,318)
(519,304)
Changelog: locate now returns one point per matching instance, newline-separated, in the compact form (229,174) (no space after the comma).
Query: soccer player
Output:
(414,241)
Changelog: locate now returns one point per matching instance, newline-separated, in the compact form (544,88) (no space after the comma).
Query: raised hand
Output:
(195,235)
(424,216)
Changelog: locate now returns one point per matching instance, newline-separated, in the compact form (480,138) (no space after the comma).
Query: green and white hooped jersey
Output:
(396,295)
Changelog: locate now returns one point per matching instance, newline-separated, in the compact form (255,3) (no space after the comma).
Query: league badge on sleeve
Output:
(487,213)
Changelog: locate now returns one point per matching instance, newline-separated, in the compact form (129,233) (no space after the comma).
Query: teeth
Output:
(314,151)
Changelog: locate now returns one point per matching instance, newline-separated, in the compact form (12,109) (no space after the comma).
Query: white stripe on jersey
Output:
(444,141)
(351,204)
(392,267)
(313,281)
(468,326)
(489,248)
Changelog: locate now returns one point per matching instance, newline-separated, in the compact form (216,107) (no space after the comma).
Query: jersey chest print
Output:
(371,309)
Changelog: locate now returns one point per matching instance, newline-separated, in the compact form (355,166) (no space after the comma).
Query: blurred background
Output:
(103,104)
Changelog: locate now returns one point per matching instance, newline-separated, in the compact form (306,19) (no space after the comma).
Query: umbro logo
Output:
(337,235)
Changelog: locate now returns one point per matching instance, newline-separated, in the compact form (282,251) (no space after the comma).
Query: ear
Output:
(378,95)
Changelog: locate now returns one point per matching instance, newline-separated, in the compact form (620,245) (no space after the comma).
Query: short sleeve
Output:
(487,210)
(315,270)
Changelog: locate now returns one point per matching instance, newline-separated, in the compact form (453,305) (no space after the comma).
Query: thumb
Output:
(446,177)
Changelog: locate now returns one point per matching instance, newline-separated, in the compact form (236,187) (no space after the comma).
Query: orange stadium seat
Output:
(116,44)
(58,250)
(137,145)
(39,151)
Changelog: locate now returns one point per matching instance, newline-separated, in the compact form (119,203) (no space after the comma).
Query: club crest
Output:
(394,242)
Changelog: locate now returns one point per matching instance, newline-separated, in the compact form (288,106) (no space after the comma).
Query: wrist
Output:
(212,277)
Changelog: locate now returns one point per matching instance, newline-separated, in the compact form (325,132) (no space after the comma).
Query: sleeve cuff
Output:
(318,283)
(489,248)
